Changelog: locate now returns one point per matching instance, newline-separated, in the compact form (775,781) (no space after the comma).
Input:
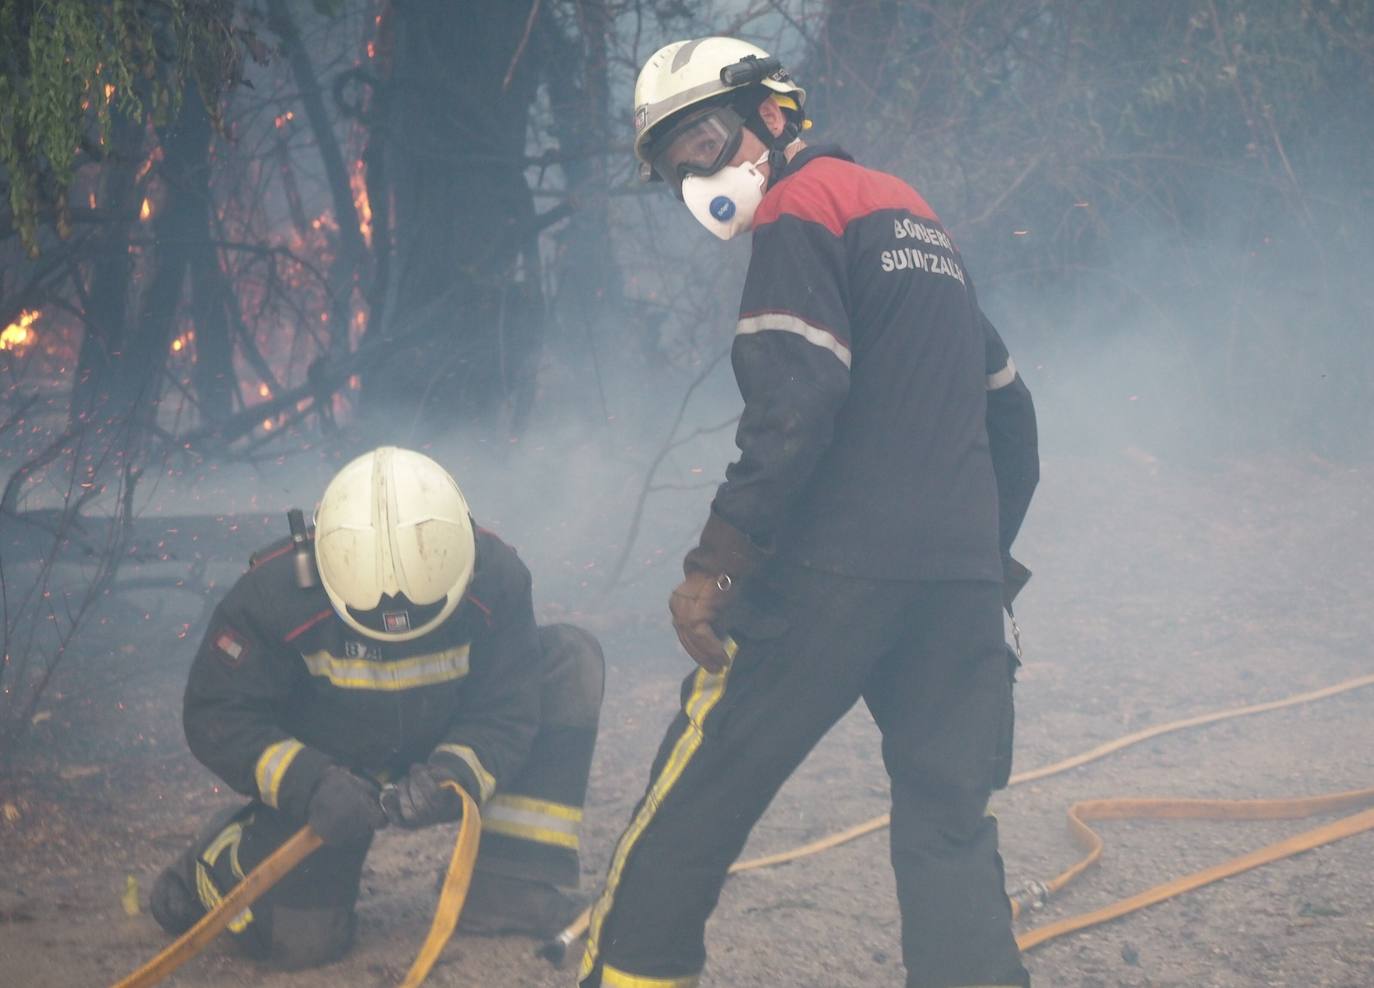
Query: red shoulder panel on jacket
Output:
(832,192)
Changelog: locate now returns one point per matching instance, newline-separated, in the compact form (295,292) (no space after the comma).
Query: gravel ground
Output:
(1161,592)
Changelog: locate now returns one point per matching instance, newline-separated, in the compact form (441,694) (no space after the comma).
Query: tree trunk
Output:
(180,224)
(112,273)
(590,290)
(466,265)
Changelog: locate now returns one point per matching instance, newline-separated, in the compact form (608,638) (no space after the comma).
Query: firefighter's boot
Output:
(500,905)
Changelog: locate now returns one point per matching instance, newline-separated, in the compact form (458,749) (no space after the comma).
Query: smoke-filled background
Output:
(243,242)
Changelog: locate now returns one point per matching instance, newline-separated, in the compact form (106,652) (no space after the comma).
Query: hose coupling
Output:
(1030,895)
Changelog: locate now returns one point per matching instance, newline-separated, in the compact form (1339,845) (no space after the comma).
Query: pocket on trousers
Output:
(756,614)
(1006,732)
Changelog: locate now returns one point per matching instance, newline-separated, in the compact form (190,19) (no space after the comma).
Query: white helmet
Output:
(687,73)
(394,544)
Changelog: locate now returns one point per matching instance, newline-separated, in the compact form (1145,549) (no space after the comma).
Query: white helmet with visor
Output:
(682,125)
(394,544)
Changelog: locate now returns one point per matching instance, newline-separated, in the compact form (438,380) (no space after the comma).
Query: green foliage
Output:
(65,65)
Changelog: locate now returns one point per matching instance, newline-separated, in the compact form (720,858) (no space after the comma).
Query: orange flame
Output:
(358,181)
(146,211)
(17,334)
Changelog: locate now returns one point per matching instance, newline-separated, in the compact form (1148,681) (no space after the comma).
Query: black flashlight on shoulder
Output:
(302,556)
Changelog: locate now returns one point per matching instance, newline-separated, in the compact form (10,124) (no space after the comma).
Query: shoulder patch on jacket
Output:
(833,192)
(231,646)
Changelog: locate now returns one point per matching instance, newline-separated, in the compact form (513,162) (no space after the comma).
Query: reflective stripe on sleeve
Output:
(485,782)
(1003,377)
(530,819)
(403,674)
(272,765)
(612,977)
(785,322)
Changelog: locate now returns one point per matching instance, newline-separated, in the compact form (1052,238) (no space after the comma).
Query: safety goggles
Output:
(702,144)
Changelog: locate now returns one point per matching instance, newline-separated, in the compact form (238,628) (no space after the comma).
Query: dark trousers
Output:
(529,828)
(932,664)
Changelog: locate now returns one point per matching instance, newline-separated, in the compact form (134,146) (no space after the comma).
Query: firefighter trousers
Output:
(930,660)
(529,828)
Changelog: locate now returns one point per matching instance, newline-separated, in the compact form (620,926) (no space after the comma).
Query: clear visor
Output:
(700,145)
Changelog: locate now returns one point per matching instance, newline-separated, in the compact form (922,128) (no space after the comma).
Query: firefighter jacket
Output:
(885,432)
(281,688)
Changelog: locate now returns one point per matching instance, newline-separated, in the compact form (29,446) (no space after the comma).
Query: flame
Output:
(358,181)
(177,344)
(267,425)
(147,165)
(109,91)
(17,334)
(146,210)
(264,391)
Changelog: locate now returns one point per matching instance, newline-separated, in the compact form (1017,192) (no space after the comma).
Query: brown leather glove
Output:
(724,557)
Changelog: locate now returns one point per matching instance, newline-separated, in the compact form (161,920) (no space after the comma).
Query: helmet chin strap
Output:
(777,145)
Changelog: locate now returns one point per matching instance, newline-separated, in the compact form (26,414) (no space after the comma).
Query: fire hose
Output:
(1033,894)
(281,861)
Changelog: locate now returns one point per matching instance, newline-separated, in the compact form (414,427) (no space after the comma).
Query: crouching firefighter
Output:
(347,676)
(857,547)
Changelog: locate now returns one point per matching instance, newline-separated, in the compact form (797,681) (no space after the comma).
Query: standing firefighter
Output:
(856,548)
(413,660)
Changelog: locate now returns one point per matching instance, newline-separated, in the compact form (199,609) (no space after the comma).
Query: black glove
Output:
(422,799)
(344,808)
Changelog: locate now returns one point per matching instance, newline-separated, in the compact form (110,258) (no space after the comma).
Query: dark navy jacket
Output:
(282,688)
(886,432)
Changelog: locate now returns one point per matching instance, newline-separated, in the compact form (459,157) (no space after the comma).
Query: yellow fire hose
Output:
(557,949)
(280,862)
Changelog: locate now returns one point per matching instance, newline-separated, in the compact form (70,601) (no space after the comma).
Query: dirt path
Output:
(1160,592)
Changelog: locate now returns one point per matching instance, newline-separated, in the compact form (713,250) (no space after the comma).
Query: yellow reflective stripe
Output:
(206,891)
(485,781)
(272,765)
(707,689)
(529,804)
(403,674)
(615,978)
(532,819)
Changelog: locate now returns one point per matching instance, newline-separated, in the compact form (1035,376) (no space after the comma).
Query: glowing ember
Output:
(17,334)
(146,210)
(267,425)
(264,391)
(358,181)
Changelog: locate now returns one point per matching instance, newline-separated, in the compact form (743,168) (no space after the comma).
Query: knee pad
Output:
(576,670)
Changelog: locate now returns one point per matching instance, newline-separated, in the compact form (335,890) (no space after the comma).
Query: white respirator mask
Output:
(725,201)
